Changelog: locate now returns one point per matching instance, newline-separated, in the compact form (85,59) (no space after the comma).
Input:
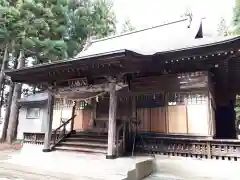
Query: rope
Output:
(88,98)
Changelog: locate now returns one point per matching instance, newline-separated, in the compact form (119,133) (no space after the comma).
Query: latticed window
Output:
(192,80)
(181,98)
(33,113)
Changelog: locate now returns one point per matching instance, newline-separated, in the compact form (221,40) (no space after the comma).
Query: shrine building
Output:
(169,89)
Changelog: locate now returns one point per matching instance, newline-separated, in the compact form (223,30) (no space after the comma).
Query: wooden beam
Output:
(95,88)
(111,153)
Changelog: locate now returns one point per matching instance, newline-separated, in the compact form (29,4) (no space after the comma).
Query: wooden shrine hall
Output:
(170,85)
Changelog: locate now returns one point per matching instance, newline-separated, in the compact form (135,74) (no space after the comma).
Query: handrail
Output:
(66,122)
(62,133)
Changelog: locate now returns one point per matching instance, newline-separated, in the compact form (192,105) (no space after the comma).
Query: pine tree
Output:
(236,17)
(48,30)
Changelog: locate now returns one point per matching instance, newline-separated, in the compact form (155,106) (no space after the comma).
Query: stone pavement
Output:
(49,166)
(11,171)
(17,172)
(31,163)
(176,168)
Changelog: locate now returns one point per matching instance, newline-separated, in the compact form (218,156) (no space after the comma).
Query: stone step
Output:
(85,144)
(80,149)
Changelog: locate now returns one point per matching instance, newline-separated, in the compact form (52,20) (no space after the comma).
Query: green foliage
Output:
(237,108)
(236,17)
(49,30)
(87,18)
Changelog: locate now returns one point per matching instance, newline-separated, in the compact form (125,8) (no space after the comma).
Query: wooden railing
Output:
(57,135)
(33,138)
(62,132)
(190,147)
(37,138)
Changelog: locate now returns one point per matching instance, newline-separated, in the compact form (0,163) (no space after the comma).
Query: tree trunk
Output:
(12,125)
(7,113)
(3,67)
(9,100)
(2,99)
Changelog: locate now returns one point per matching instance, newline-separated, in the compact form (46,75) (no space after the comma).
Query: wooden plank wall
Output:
(197,118)
(158,120)
(152,119)
(177,119)
(81,120)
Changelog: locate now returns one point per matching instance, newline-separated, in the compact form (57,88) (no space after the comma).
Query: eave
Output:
(202,57)
(42,73)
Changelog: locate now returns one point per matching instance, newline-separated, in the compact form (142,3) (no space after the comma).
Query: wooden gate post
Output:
(111,154)
(73,114)
(48,132)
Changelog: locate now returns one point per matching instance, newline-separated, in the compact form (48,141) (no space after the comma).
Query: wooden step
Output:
(89,144)
(91,132)
(80,149)
(89,135)
(84,139)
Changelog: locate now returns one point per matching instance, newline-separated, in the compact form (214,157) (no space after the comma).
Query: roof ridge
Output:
(136,31)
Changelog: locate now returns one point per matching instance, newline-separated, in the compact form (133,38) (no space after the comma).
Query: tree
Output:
(8,98)
(127,26)
(14,108)
(9,31)
(85,19)
(236,17)
(223,28)
(49,30)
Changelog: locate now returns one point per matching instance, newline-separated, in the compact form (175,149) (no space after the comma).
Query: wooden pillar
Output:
(111,153)
(134,108)
(93,113)
(73,114)
(48,133)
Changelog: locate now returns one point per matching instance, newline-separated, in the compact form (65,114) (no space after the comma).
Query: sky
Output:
(147,13)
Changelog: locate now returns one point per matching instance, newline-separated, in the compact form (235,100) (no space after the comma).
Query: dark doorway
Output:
(225,122)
